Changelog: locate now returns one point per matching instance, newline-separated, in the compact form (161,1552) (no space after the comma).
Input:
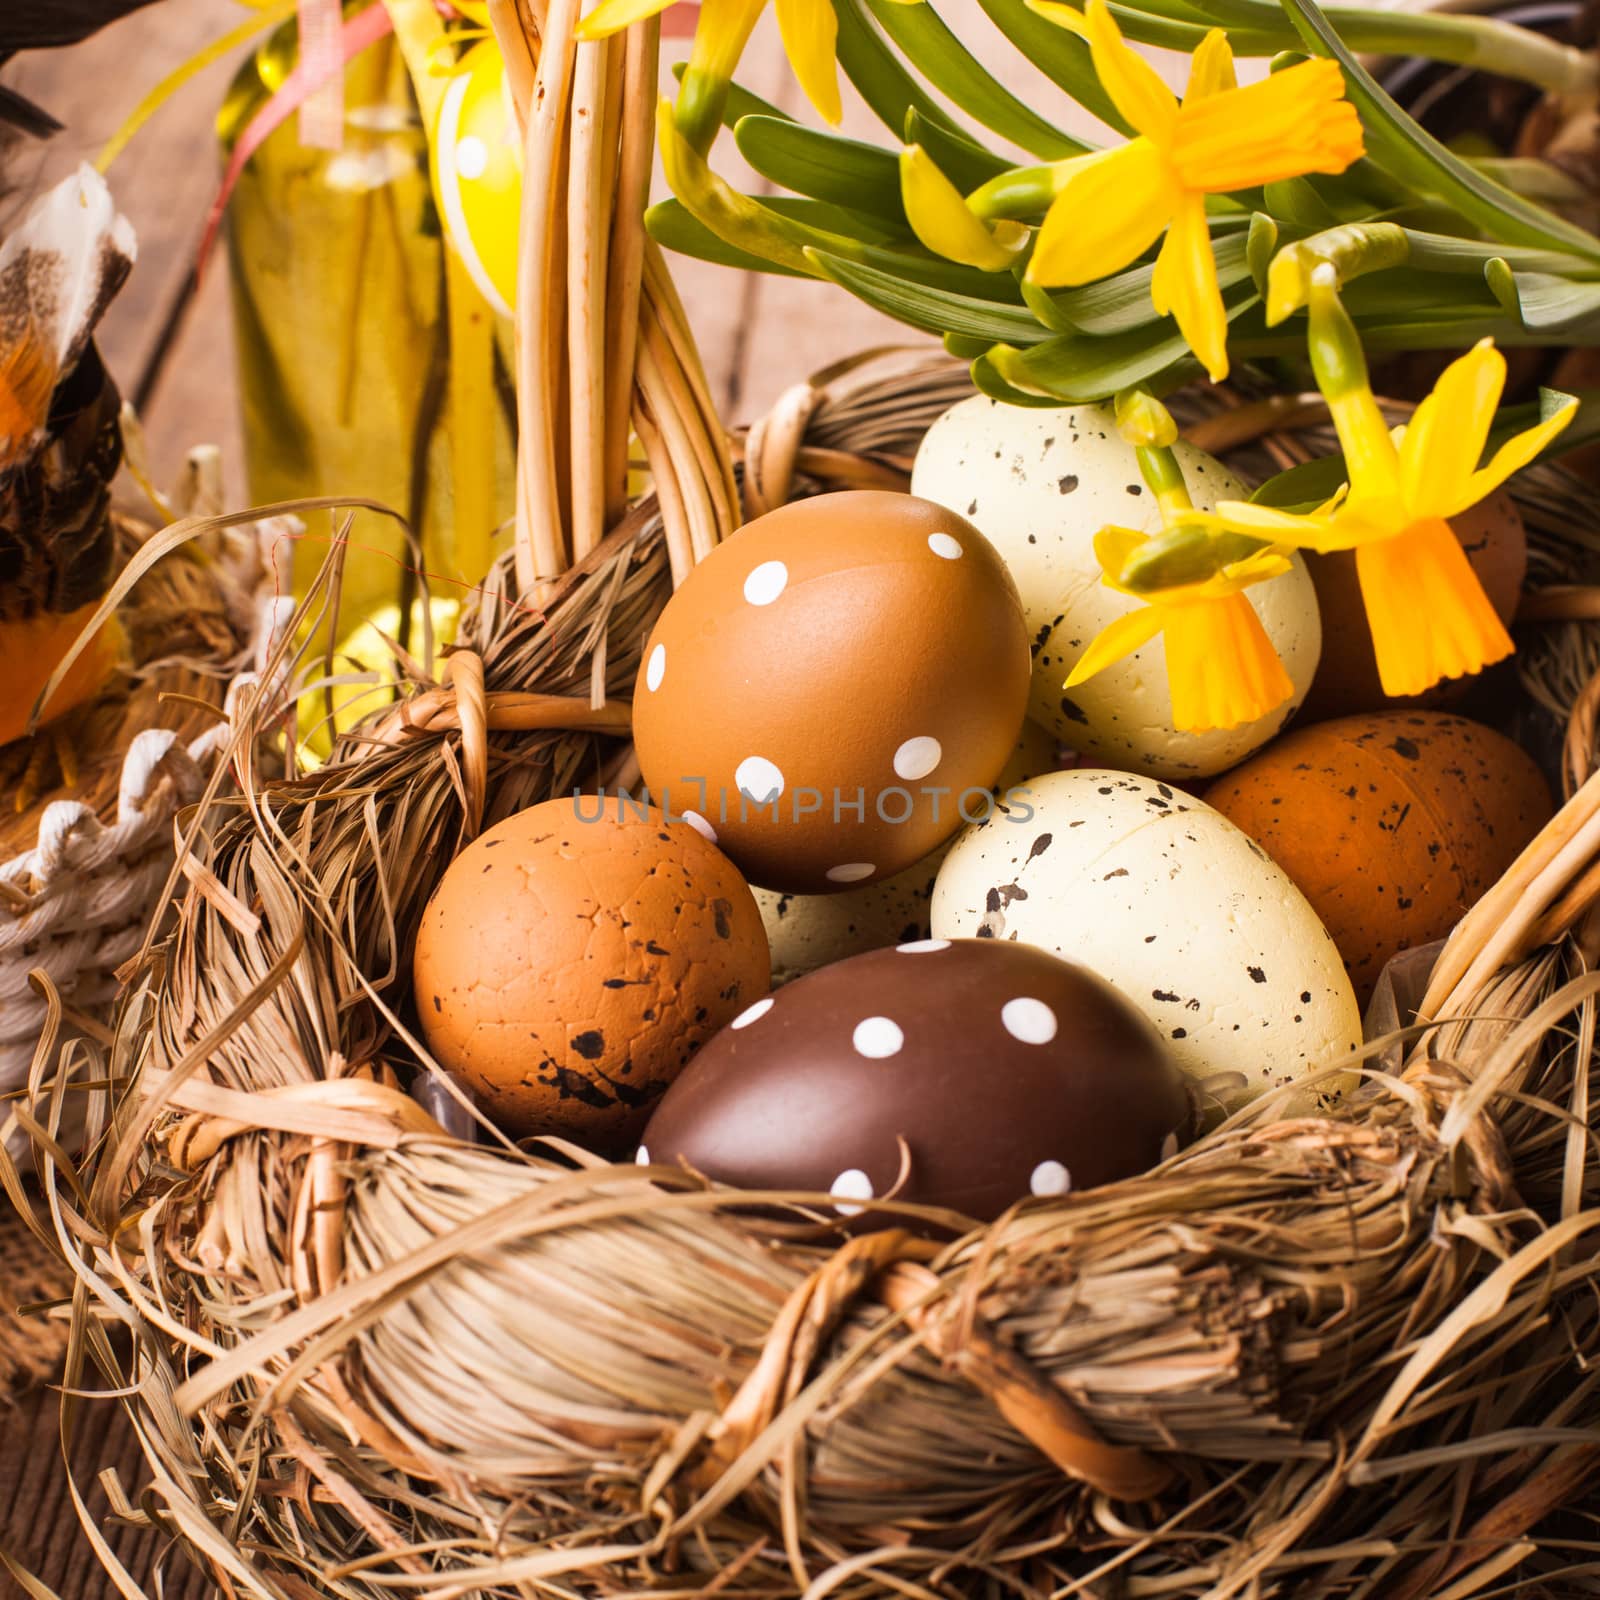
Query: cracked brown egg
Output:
(830,684)
(573,959)
(1175,907)
(1391,824)
(961,1074)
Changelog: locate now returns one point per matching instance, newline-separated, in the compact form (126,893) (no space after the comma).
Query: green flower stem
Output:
(1340,366)
(1350,250)
(1023,192)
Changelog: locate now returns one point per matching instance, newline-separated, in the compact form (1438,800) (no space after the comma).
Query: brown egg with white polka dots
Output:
(965,1074)
(826,687)
(575,957)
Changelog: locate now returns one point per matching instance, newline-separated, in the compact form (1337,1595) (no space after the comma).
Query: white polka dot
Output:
(766,583)
(916,758)
(643,1157)
(1050,1177)
(472,157)
(919,947)
(758,779)
(1031,1021)
(850,872)
(700,825)
(655,668)
(877,1038)
(944,544)
(752,1013)
(851,1184)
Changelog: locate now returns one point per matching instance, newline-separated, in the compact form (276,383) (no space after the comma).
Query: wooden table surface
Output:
(174,350)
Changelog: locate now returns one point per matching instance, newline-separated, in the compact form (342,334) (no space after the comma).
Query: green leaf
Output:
(673,226)
(1076,368)
(1552,306)
(936,311)
(951,68)
(769,232)
(1121,302)
(1294,201)
(1408,152)
(988,382)
(847,172)
(1061,56)
(965,164)
(964,348)
(1260,243)
(876,72)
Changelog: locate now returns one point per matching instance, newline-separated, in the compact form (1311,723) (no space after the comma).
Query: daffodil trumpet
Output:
(1429,616)
(1113,205)
(1222,669)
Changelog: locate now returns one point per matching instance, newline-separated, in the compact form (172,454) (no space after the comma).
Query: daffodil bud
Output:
(942,220)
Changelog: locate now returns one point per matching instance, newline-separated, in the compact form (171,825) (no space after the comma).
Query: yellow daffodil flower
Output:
(1111,206)
(810,32)
(1222,669)
(1429,616)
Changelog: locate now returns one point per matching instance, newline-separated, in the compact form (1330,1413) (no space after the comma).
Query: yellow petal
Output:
(1135,86)
(810,31)
(612,16)
(1185,287)
(1110,211)
(1222,669)
(1114,641)
(1211,70)
(720,36)
(1512,457)
(1291,123)
(1314,530)
(1262,567)
(1064,16)
(943,221)
(1446,435)
(1112,547)
(1429,616)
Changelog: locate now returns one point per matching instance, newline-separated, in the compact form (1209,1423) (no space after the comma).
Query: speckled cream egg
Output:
(825,687)
(1040,483)
(1173,905)
(573,959)
(807,931)
(1392,824)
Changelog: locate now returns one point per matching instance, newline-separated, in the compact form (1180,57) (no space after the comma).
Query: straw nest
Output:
(1353,1355)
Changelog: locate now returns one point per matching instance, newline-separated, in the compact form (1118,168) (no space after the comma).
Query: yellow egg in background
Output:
(477,173)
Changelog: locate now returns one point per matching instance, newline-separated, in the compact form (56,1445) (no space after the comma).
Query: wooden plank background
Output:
(757,336)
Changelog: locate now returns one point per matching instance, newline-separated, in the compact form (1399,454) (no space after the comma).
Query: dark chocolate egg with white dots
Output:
(963,1074)
(828,684)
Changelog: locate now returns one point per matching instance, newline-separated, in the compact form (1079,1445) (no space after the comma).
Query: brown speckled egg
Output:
(826,686)
(1347,680)
(1392,824)
(967,1074)
(575,956)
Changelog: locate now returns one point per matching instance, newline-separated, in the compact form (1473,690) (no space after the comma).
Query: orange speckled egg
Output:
(825,689)
(1347,680)
(1391,824)
(575,956)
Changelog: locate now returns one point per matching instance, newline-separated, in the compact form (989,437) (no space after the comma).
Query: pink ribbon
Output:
(322,110)
(362,30)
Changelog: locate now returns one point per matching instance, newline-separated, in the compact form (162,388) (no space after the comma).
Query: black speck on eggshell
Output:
(1004,1070)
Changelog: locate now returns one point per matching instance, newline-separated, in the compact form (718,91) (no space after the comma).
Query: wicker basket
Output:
(380,1351)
